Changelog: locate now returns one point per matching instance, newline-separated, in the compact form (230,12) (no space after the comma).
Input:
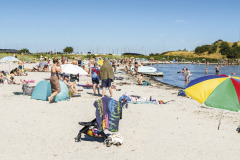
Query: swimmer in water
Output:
(206,71)
(217,70)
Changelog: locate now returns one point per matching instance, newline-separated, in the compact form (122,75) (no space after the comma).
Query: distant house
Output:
(134,54)
(8,51)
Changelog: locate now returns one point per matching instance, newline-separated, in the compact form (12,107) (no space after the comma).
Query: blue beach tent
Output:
(43,90)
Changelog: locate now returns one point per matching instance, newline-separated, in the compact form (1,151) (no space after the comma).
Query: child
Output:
(12,81)
(71,85)
(95,78)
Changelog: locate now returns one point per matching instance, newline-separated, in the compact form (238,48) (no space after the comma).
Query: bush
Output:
(213,49)
(202,49)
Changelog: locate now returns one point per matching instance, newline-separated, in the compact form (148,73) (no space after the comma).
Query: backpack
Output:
(27,90)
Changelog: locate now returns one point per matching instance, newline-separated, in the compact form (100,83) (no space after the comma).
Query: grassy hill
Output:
(217,50)
(191,54)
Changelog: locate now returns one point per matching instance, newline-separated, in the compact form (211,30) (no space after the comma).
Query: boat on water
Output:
(145,69)
(150,71)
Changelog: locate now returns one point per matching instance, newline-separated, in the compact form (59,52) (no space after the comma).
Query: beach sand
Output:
(181,129)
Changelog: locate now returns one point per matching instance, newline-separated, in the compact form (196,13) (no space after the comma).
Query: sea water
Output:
(172,77)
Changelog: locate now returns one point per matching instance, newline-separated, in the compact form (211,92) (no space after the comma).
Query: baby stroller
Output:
(91,128)
(74,78)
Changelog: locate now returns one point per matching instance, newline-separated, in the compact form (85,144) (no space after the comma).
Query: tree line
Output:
(223,47)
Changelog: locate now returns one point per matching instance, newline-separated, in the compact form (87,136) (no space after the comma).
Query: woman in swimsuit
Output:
(55,85)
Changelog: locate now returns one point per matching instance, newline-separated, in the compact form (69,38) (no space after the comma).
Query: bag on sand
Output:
(27,90)
(115,138)
(182,93)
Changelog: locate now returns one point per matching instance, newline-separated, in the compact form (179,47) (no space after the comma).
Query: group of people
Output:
(131,67)
(4,78)
(104,73)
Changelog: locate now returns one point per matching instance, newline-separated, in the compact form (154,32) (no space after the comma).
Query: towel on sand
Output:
(107,113)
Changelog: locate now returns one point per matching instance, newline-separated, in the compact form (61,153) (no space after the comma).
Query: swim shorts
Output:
(106,82)
(95,81)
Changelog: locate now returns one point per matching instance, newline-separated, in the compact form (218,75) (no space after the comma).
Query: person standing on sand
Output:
(20,67)
(106,75)
(55,85)
(136,68)
(95,78)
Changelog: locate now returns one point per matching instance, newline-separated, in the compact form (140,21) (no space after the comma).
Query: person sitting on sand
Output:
(139,79)
(89,83)
(45,68)
(15,72)
(71,85)
(2,77)
(36,68)
(13,81)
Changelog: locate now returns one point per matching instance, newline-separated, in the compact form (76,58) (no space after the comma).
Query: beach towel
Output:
(106,71)
(107,114)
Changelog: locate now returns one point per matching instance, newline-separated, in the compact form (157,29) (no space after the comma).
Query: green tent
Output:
(43,90)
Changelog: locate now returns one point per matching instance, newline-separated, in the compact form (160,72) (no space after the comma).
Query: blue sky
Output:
(104,26)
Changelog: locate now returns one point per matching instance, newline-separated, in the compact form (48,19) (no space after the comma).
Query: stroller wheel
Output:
(238,129)
(118,144)
(108,144)
(77,139)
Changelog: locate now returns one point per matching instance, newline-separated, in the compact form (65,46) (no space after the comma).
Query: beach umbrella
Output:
(100,62)
(217,91)
(73,69)
(9,59)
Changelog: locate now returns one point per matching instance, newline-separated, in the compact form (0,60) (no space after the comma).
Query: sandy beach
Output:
(181,129)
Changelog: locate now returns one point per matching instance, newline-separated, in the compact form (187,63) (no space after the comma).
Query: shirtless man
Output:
(187,75)
(217,70)
(136,67)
